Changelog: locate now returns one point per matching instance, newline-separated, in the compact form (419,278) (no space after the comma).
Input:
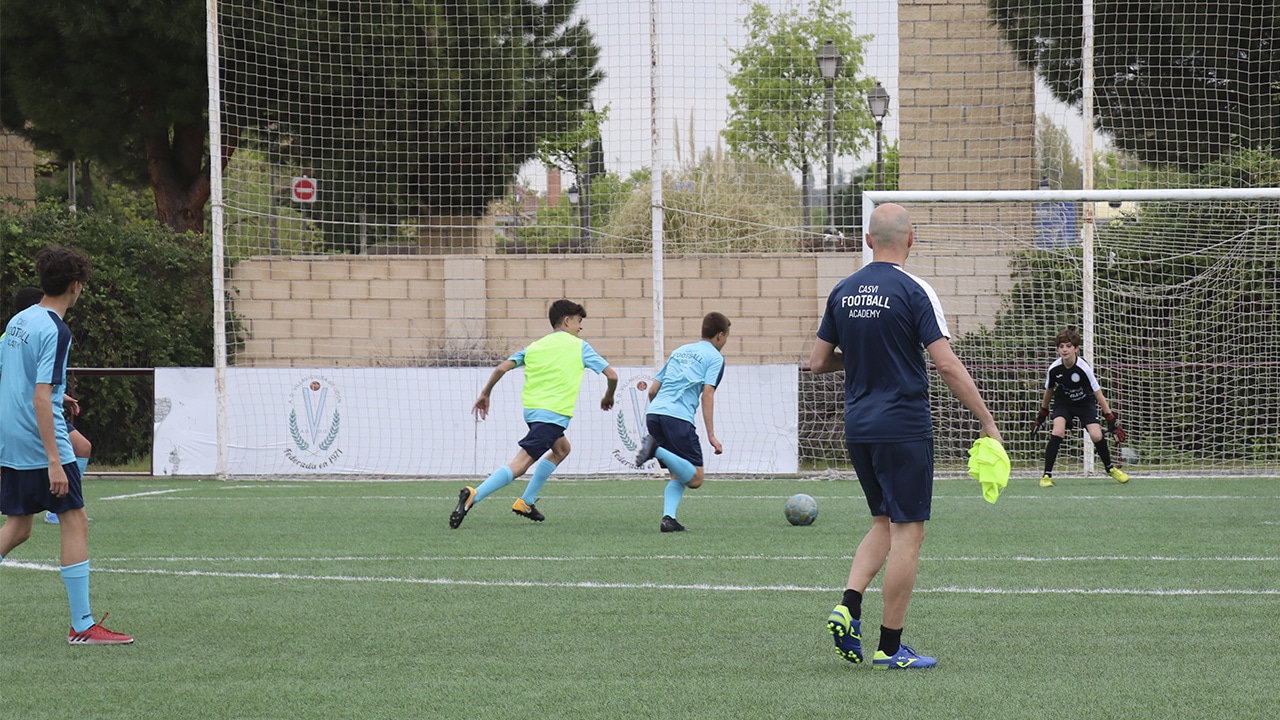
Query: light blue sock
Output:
(76,578)
(83,463)
(500,478)
(681,468)
(1,558)
(540,475)
(671,497)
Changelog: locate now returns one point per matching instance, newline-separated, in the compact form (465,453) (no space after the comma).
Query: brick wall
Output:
(421,310)
(966,108)
(17,169)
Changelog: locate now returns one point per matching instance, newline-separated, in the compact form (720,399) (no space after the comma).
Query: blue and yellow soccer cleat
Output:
(847,633)
(1119,475)
(1046,480)
(904,659)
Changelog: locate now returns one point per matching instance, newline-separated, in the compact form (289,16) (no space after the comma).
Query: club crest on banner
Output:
(315,423)
(629,409)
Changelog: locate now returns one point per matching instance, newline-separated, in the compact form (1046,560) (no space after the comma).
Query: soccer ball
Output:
(800,509)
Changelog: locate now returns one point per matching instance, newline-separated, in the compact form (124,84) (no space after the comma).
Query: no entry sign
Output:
(304,189)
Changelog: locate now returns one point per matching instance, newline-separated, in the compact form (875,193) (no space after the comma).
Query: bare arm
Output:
(709,416)
(1048,396)
(606,403)
(957,377)
(43,402)
(825,358)
(653,390)
(481,407)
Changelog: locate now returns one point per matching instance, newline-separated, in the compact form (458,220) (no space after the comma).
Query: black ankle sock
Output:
(890,640)
(853,601)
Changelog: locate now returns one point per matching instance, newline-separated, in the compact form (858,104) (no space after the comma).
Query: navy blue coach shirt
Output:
(882,318)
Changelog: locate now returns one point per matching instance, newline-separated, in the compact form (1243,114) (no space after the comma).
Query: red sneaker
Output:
(98,635)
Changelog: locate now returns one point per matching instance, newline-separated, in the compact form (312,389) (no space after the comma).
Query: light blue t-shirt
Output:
(591,360)
(683,376)
(35,349)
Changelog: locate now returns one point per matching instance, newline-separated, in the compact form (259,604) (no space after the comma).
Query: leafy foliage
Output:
(148,304)
(118,82)
(446,99)
(720,204)
(777,106)
(1175,83)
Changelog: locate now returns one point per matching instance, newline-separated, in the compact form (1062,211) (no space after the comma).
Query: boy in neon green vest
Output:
(553,368)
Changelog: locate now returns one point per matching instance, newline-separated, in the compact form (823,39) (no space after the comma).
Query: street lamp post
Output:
(574,197)
(878,101)
(829,62)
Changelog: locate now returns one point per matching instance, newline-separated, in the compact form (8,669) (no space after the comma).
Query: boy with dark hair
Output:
(689,377)
(553,368)
(23,299)
(1075,392)
(37,464)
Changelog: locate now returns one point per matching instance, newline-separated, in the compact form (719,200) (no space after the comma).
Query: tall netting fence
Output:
(408,185)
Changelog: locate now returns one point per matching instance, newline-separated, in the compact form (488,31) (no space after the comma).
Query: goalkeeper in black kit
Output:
(1074,390)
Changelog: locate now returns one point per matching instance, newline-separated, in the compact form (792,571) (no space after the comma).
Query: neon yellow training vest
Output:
(553,373)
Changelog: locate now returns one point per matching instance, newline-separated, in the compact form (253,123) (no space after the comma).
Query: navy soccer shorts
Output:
(26,492)
(540,438)
(676,436)
(897,478)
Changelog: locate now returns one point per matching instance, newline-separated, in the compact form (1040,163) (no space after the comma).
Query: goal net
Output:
(1179,301)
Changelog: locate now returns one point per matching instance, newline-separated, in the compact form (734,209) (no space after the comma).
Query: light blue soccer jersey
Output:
(35,349)
(591,360)
(683,376)
(882,318)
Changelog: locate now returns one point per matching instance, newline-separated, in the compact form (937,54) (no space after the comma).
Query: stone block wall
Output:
(966,108)
(424,310)
(17,169)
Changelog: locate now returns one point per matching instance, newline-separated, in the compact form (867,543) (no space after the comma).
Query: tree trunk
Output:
(180,174)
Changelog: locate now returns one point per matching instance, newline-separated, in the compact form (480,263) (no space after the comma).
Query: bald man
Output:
(877,325)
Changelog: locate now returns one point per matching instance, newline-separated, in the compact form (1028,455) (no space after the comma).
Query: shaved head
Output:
(889,226)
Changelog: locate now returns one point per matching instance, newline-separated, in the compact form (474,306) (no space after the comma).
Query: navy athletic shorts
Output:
(897,478)
(676,436)
(540,438)
(26,492)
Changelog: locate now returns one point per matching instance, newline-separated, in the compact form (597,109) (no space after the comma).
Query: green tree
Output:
(777,105)
(1175,83)
(1055,157)
(403,109)
(118,82)
(439,100)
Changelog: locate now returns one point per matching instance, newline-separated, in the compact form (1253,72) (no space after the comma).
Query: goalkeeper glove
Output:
(1040,418)
(1113,426)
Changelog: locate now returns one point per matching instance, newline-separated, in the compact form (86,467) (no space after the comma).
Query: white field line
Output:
(701,498)
(149,493)
(667,558)
(701,587)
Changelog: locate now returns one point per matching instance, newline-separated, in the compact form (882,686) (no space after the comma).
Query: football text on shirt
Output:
(866,304)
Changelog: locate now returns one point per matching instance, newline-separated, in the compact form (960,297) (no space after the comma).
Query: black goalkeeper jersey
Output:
(1071,384)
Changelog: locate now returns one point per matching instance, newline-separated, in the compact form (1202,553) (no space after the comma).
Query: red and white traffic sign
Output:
(305,189)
